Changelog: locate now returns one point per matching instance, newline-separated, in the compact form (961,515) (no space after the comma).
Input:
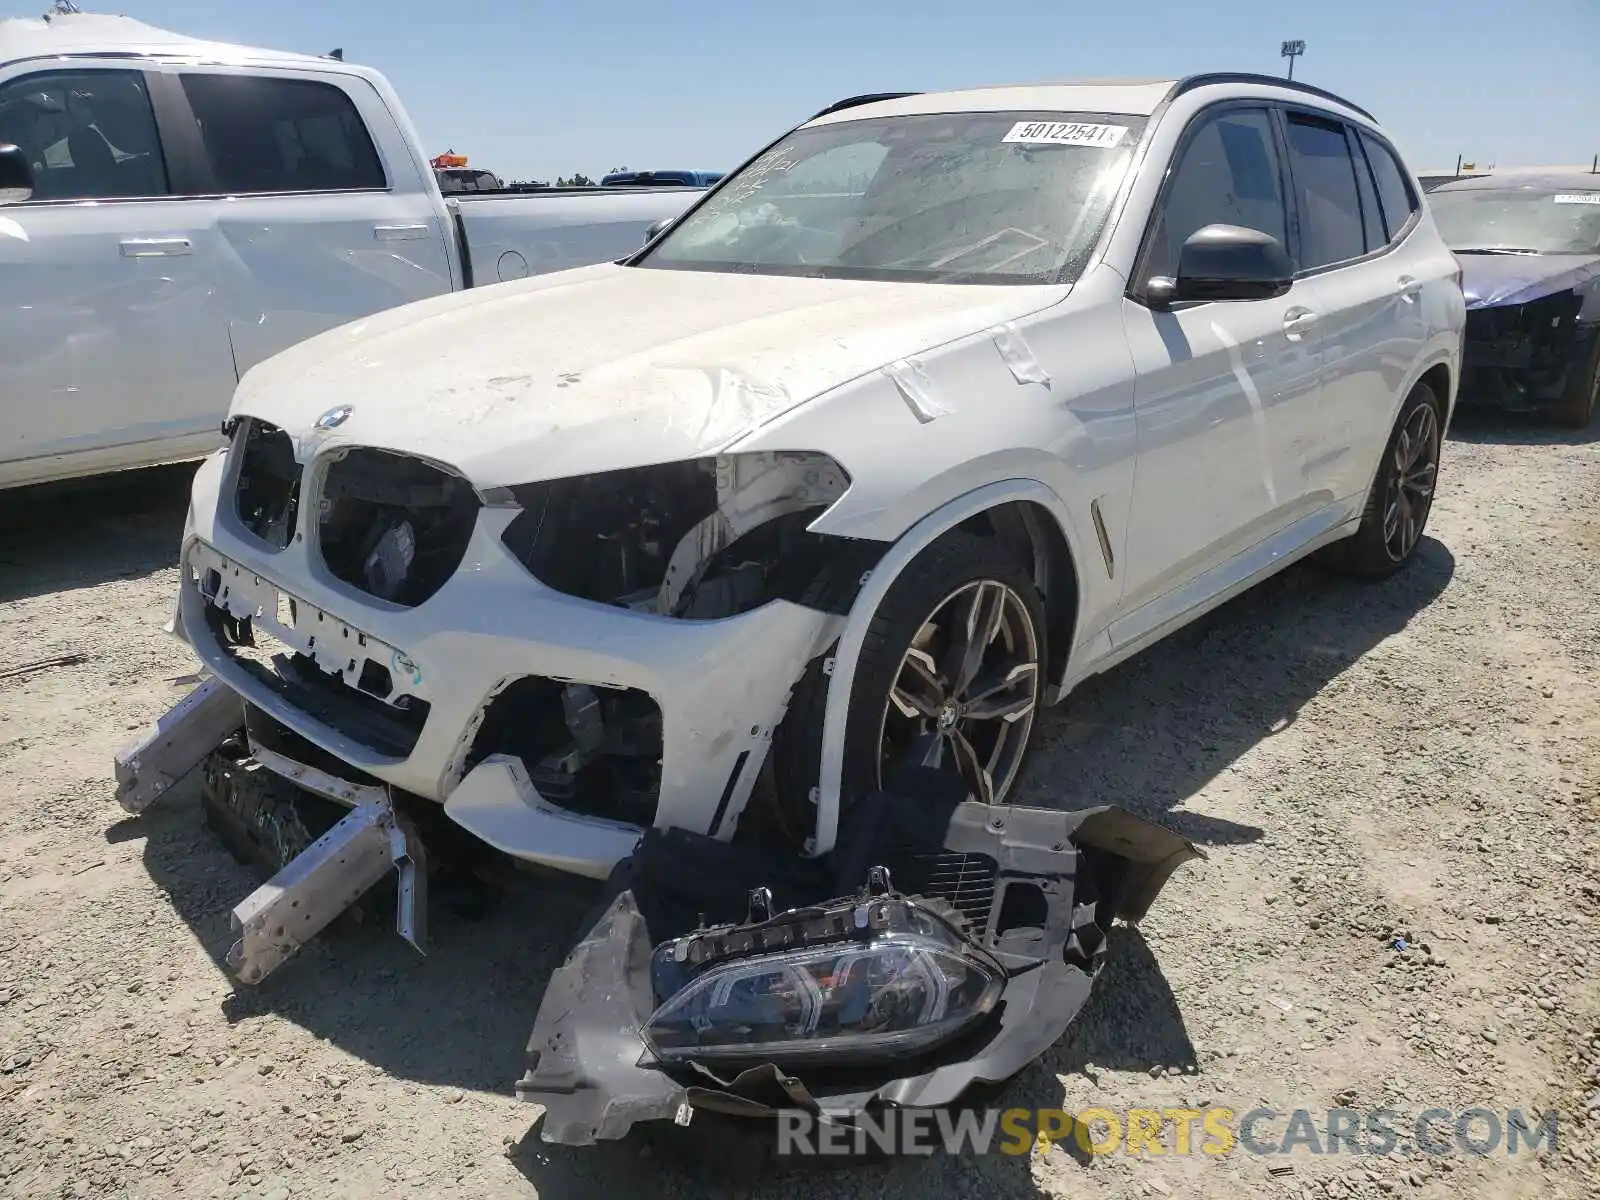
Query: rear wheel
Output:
(1397,507)
(1576,408)
(950,676)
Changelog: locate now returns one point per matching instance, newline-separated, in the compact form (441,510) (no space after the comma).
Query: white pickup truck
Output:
(174,211)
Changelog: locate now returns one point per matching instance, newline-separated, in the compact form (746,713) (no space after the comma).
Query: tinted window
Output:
(1371,216)
(1228,174)
(1399,201)
(90,135)
(281,135)
(1325,189)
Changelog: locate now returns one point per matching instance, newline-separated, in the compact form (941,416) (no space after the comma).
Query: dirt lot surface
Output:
(1416,760)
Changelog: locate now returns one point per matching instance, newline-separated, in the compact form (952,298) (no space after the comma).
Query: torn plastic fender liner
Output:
(589,1066)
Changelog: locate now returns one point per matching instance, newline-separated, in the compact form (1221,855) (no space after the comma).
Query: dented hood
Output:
(1492,280)
(606,366)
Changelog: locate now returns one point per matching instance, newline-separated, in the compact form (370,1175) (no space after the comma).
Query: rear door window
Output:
(263,135)
(1394,190)
(89,134)
(1326,194)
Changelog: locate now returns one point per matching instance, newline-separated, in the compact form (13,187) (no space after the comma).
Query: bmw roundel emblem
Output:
(334,417)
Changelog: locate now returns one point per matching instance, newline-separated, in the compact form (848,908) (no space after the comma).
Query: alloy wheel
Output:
(1412,474)
(966,691)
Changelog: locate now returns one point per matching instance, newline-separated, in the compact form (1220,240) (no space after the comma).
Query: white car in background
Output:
(939,405)
(174,211)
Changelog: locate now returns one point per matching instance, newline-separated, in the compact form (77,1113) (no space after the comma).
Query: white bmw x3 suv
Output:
(937,406)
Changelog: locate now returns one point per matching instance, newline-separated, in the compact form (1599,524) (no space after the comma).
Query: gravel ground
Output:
(1416,759)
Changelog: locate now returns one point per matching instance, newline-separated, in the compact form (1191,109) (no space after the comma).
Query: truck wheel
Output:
(1576,407)
(950,676)
(1402,494)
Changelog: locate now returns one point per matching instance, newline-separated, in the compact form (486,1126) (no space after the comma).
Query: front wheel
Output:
(1401,498)
(950,676)
(1577,405)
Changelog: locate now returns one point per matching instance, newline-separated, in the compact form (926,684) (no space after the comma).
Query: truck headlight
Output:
(884,978)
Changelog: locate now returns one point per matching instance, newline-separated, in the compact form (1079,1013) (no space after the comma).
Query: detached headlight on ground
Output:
(866,979)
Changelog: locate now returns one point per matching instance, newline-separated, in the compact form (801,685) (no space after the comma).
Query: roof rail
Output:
(1192,82)
(866,98)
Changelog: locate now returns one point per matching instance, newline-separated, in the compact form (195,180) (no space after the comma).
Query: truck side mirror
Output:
(655,229)
(16,175)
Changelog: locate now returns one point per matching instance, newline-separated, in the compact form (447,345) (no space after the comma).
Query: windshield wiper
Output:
(1493,250)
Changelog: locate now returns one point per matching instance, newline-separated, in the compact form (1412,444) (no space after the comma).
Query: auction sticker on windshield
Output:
(1065,133)
(1569,198)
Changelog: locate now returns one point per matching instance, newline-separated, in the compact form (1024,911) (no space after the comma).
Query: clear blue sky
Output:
(538,88)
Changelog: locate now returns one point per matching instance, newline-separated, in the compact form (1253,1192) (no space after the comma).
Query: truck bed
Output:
(510,235)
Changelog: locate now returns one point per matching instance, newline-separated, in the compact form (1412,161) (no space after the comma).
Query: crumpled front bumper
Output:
(1525,356)
(589,1066)
(722,685)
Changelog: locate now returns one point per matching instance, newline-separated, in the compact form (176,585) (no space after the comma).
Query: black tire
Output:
(954,562)
(1372,552)
(1577,404)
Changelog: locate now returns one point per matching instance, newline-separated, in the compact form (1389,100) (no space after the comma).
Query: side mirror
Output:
(1226,262)
(655,229)
(16,176)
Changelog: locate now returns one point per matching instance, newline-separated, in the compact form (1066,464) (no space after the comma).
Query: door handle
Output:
(1298,322)
(154,247)
(400,233)
(1409,287)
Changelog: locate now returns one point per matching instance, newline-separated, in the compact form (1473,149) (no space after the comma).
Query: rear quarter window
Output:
(1399,201)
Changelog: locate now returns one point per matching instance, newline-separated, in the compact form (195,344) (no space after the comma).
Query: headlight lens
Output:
(902,982)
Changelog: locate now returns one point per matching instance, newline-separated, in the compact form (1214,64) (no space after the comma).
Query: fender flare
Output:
(847,652)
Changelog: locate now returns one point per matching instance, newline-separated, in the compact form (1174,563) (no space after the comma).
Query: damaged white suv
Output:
(939,405)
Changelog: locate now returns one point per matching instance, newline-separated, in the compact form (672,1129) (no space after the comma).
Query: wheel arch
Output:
(1032,532)
(1441,381)
(1028,515)
(1441,373)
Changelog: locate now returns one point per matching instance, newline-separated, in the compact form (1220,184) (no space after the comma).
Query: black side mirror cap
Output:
(1226,262)
(655,229)
(16,175)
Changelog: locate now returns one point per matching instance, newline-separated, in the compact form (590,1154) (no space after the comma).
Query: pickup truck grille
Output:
(393,526)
